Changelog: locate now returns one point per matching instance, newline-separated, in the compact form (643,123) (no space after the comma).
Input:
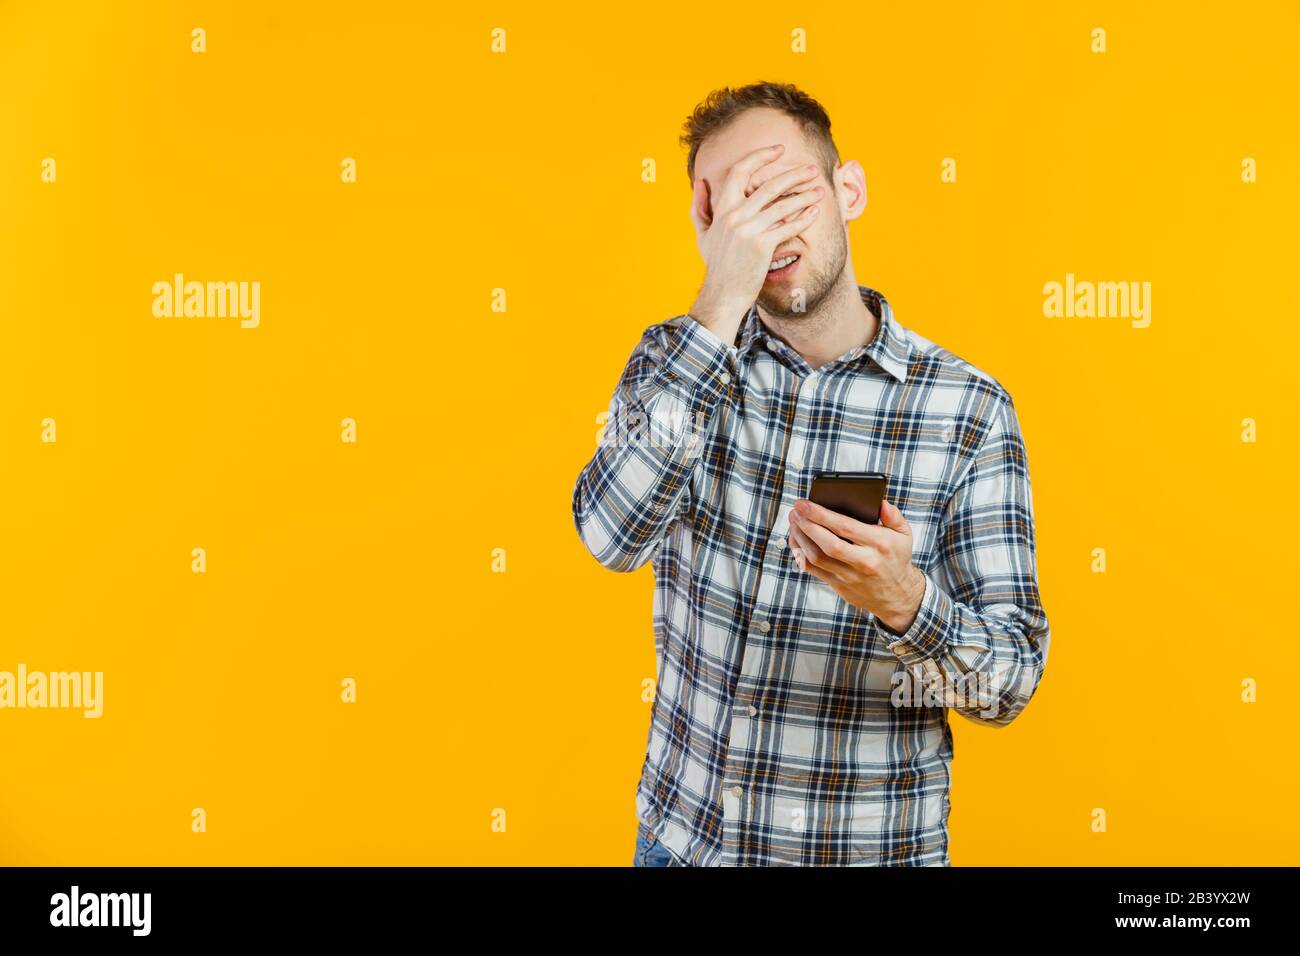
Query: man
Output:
(807,661)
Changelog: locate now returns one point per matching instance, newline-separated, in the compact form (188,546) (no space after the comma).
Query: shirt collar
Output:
(890,349)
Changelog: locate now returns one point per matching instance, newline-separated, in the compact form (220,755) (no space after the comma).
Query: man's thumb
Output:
(891,517)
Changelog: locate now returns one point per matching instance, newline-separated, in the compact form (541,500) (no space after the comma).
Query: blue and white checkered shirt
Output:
(790,727)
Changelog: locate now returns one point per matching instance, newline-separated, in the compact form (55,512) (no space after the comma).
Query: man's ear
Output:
(851,186)
(702,203)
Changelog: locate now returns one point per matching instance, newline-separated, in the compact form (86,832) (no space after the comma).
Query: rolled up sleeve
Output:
(981,635)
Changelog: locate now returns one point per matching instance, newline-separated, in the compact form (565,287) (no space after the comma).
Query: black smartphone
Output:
(857,494)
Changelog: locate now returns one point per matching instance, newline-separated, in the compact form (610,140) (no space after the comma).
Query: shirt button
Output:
(736,791)
(752,710)
(726,379)
(778,543)
(763,626)
(773,344)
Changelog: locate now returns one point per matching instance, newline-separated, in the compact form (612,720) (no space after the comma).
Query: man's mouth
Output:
(783,266)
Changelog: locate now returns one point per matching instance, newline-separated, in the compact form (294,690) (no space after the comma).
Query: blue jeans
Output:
(653,854)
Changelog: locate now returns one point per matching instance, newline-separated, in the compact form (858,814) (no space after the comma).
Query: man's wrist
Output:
(900,620)
(722,320)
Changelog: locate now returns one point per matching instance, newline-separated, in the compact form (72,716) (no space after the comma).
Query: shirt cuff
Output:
(928,636)
(698,360)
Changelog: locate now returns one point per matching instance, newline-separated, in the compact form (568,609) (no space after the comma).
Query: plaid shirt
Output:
(789,726)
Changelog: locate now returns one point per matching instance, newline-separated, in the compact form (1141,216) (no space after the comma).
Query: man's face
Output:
(823,246)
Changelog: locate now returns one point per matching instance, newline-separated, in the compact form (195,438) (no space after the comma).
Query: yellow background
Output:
(522,171)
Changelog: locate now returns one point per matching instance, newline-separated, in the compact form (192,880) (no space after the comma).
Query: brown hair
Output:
(723,105)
